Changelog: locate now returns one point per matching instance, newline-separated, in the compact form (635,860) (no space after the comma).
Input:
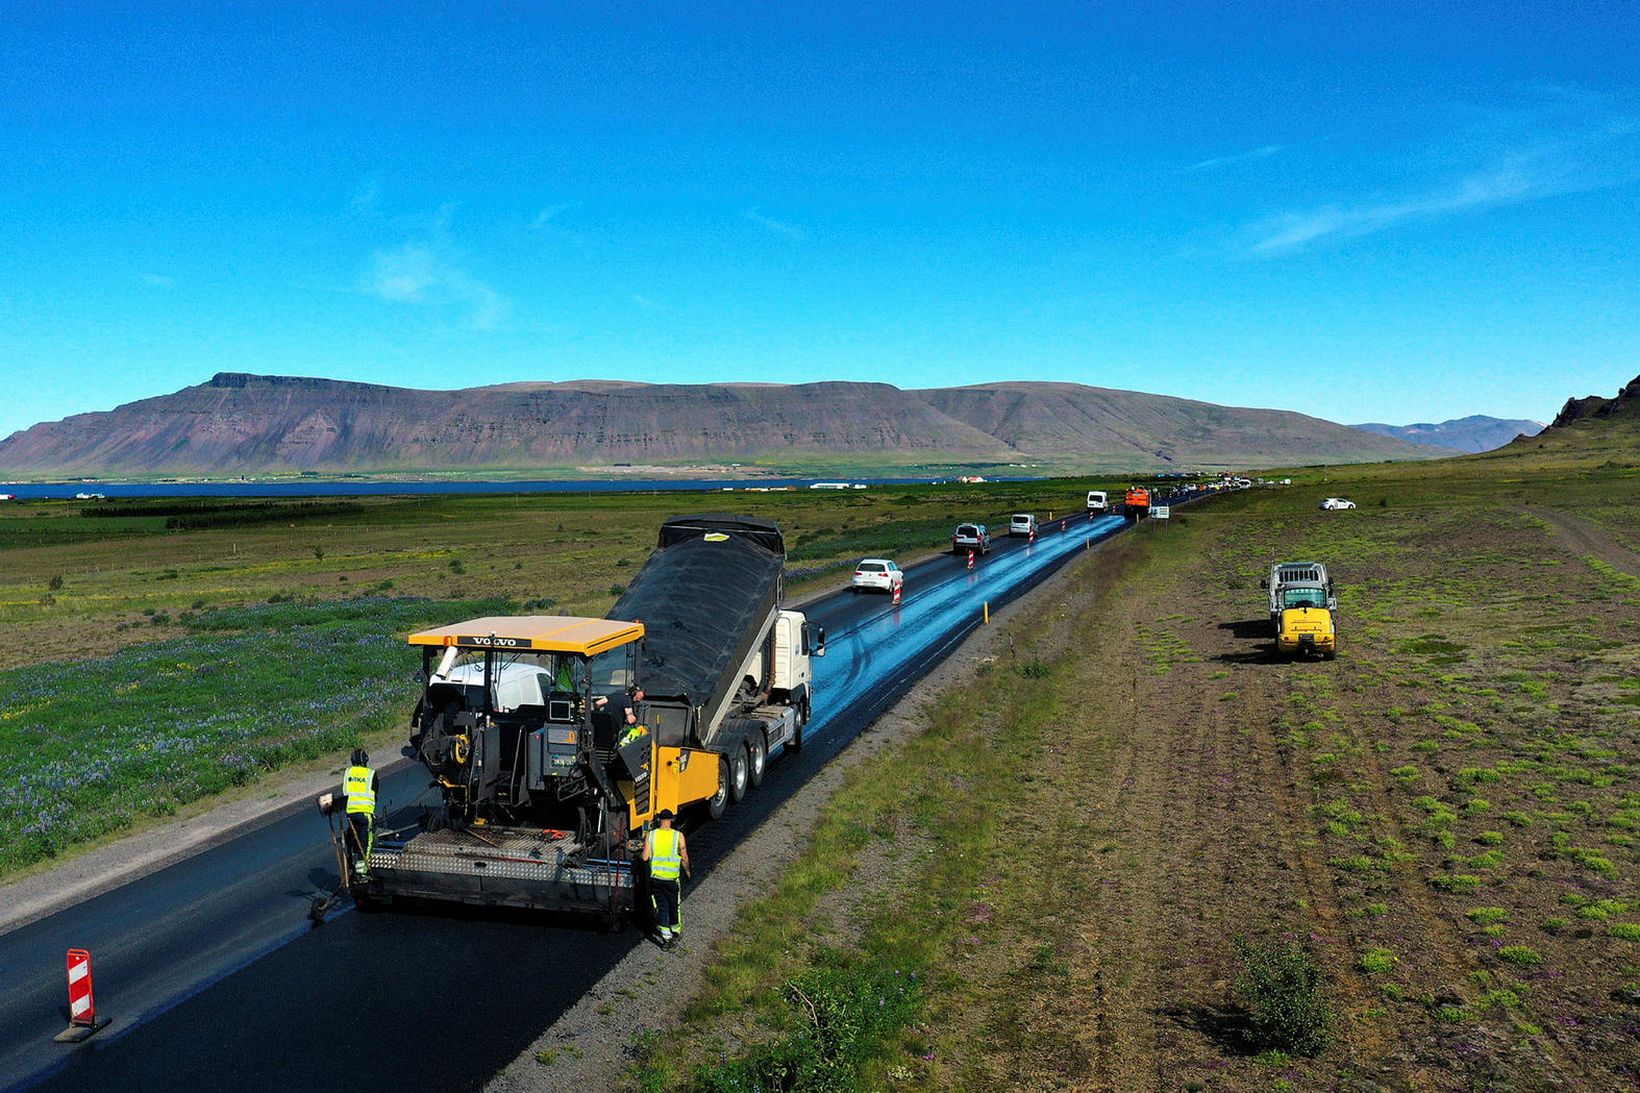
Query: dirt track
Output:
(1231,794)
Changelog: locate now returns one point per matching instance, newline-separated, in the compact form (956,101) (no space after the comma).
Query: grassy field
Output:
(161,651)
(1121,868)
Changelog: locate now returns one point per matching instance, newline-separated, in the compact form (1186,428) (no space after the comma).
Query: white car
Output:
(1022,524)
(1333,504)
(877,573)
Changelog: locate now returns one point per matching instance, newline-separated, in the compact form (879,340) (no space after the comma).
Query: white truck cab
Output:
(1305,573)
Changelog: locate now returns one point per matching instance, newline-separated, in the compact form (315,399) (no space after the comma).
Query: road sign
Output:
(1158,512)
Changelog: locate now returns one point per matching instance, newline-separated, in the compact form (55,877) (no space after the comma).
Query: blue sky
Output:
(1397,213)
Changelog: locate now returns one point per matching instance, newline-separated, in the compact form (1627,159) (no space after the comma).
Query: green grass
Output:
(97,745)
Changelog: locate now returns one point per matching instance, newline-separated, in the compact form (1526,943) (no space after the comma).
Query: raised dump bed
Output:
(707,597)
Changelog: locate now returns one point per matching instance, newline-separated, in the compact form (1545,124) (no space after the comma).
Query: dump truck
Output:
(1307,626)
(544,790)
(1136,503)
(1283,574)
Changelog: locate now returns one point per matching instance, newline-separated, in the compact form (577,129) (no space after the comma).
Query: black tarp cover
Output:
(703,596)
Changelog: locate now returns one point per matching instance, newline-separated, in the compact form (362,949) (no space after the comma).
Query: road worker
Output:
(360,785)
(624,710)
(667,853)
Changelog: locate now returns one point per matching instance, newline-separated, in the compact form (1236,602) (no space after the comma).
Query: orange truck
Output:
(1136,504)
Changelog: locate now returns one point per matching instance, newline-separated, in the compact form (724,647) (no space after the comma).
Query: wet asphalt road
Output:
(214,977)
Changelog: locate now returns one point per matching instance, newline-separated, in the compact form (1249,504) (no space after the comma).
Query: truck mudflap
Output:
(505,867)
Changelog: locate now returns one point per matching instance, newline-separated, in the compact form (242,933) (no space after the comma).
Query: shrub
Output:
(1486,916)
(1377,959)
(1628,931)
(56,583)
(843,1019)
(1280,987)
(1520,954)
(1034,669)
(616,589)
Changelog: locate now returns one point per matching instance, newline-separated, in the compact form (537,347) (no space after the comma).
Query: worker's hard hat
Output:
(361,758)
(665,814)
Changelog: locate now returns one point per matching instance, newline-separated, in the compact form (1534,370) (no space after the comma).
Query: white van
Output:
(1097,501)
(1023,525)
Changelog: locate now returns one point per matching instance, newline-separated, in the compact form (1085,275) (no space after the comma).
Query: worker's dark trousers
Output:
(361,837)
(667,897)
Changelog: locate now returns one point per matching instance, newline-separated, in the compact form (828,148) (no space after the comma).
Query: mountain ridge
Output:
(1475,433)
(239,423)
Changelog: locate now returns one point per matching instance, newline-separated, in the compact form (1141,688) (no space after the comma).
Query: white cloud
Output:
(158,280)
(546,216)
(1593,159)
(419,272)
(1263,152)
(790,231)
(365,197)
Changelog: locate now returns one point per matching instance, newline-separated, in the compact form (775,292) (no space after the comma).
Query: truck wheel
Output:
(757,754)
(718,803)
(738,775)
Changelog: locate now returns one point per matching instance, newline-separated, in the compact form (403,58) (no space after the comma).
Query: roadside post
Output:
(987,616)
(82,1009)
(970,559)
(897,587)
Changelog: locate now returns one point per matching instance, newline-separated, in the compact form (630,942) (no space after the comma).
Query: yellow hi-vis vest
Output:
(665,863)
(360,797)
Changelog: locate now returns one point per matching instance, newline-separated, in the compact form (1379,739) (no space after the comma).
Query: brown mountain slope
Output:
(254,424)
(1591,430)
(1127,428)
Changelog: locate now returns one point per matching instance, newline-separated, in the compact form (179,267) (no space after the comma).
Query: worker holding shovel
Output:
(359,785)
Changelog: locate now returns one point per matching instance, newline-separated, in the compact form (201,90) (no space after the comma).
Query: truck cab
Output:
(1283,574)
(1307,625)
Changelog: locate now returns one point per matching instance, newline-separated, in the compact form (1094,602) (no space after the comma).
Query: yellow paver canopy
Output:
(544,633)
